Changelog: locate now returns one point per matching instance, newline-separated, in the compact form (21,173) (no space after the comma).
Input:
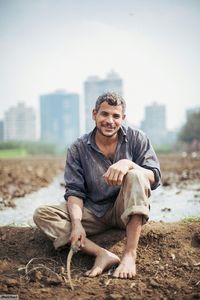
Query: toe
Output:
(95,272)
(116,273)
(87,273)
(125,275)
(130,275)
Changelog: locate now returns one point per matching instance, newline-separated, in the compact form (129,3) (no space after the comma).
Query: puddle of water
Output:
(22,214)
(173,204)
(167,204)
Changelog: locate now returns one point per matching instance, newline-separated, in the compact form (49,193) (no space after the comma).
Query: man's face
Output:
(108,119)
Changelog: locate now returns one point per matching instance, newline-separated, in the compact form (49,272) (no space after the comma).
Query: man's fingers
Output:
(82,241)
(113,177)
(106,175)
(73,240)
(120,178)
(109,176)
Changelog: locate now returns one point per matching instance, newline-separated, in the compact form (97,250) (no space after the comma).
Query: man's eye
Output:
(104,114)
(116,116)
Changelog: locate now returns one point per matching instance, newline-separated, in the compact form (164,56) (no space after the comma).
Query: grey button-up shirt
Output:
(86,164)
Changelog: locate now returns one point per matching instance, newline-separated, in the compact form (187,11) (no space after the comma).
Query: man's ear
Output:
(94,113)
(124,117)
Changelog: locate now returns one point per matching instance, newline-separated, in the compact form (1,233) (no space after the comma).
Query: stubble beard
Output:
(107,135)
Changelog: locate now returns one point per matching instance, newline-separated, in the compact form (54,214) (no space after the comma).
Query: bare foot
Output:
(104,260)
(127,267)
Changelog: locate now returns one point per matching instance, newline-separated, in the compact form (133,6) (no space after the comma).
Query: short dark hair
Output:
(111,98)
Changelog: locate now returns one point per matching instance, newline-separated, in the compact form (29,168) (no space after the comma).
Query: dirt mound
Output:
(19,177)
(168,265)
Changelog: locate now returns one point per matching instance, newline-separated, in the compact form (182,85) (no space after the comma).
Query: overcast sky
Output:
(153,45)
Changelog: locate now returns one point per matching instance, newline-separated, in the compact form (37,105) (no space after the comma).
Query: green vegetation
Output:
(191,219)
(12,153)
(191,130)
(15,149)
(164,149)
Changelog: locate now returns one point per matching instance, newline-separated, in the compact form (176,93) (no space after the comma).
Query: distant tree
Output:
(190,132)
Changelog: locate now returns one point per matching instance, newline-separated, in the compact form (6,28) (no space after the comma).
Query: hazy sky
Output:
(153,45)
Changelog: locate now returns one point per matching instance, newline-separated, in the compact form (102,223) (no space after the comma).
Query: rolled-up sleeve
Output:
(145,156)
(73,176)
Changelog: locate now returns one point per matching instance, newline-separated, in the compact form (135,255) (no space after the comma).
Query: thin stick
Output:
(69,258)
(74,248)
(37,258)
(40,266)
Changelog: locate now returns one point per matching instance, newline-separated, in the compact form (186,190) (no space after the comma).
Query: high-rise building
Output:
(94,87)
(20,123)
(1,131)
(59,115)
(154,124)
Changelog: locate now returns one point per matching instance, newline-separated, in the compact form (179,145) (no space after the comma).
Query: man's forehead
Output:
(111,108)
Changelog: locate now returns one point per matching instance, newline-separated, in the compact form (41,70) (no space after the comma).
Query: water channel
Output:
(167,204)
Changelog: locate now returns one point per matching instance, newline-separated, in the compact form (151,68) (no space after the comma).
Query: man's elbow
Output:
(151,177)
(71,200)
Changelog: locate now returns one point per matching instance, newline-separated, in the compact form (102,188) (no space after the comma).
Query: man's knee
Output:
(135,175)
(39,214)
(137,180)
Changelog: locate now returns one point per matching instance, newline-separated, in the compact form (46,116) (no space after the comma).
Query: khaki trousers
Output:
(133,198)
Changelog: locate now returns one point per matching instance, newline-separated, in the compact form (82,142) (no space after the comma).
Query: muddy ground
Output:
(19,177)
(180,171)
(168,263)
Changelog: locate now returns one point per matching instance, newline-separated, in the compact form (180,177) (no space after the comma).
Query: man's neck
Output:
(106,140)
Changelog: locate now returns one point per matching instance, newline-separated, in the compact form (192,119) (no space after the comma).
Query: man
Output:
(109,175)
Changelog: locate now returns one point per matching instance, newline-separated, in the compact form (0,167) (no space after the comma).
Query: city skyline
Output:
(59,124)
(153,45)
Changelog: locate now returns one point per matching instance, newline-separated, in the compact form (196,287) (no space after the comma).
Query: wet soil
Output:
(179,171)
(19,177)
(168,262)
(168,265)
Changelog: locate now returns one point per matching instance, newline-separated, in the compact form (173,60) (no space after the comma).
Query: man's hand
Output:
(116,172)
(78,234)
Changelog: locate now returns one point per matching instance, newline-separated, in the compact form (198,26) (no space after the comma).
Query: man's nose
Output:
(110,119)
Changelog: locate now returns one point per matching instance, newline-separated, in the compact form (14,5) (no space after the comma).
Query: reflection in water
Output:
(167,204)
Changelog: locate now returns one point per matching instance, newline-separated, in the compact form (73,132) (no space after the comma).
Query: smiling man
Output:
(109,175)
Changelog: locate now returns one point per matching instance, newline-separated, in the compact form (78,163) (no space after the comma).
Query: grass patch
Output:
(191,219)
(13,153)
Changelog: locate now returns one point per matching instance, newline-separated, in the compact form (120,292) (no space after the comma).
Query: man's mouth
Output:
(108,128)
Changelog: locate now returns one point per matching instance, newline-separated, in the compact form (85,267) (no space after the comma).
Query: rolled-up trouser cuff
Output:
(135,210)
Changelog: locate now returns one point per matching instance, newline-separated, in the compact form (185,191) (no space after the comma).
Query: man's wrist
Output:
(76,222)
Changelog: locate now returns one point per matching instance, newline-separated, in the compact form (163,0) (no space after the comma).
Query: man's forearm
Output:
(75,208)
